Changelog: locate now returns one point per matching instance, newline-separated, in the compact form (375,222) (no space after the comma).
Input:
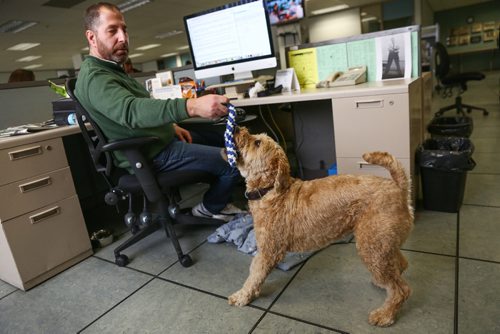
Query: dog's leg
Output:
(403,263)
(386,272)
(261,266)
(398,292)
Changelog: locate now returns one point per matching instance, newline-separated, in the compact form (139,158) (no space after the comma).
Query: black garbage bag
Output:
(457,126)
(446,154)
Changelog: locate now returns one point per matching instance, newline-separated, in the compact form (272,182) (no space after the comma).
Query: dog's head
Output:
(261,161)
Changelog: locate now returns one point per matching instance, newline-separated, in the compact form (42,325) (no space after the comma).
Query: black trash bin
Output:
(445,126)
(444,163)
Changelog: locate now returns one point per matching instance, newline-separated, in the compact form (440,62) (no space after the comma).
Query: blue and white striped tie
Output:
(228,136)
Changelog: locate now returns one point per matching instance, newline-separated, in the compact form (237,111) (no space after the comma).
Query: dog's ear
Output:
(282,169)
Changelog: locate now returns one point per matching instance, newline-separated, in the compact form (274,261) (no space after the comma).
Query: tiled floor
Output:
(454,272)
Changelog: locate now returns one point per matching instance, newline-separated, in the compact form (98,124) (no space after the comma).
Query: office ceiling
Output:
(60,33)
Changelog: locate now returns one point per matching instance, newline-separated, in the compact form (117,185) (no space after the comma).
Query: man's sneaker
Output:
(226,214)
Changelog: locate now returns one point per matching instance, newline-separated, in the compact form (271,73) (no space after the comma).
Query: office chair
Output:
(159,190)
(448,81)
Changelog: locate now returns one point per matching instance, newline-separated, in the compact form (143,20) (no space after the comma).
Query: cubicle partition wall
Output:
(24,103)
(316,61)
(322,127)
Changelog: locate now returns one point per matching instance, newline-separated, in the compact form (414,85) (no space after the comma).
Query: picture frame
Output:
(489,26)
(477,27)
(489,36)
(463,39)
(452,41)
(476,39)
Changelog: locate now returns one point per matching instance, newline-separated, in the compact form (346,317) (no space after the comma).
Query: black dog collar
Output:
(257,194)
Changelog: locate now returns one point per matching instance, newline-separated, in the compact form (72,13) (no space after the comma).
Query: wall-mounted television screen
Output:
(285,11)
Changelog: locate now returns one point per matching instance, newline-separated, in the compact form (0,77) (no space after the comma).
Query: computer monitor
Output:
(231,39)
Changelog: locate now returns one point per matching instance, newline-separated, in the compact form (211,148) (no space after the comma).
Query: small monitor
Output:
(231,39)
(285,11)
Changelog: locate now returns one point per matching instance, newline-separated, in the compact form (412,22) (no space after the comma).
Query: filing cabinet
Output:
(378,122)
(42,230)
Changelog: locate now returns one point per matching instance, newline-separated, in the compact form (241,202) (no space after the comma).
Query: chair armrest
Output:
(129,143)
(130,147)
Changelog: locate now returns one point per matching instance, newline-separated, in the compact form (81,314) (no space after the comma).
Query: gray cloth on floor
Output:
(240,232)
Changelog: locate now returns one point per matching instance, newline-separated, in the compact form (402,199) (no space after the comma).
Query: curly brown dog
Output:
(294,215)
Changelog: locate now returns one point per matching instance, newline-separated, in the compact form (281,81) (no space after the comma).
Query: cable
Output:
(277,127)
(268,126)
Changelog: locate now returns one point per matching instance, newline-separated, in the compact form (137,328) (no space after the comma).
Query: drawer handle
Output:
(369,104)
(24,188)
(35,219)
(25,153)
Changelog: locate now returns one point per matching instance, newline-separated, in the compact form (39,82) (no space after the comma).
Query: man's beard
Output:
(119,54)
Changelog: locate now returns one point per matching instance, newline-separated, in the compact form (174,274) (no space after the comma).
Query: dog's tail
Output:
(394,167)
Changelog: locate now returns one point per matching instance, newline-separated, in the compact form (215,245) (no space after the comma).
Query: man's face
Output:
(110,39)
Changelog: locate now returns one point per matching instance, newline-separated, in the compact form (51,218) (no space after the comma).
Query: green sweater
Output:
(122,107)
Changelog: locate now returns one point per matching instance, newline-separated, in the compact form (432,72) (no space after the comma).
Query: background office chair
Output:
(448,81)
(159,190)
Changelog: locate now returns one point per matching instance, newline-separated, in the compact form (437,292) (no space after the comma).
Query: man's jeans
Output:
(183,156)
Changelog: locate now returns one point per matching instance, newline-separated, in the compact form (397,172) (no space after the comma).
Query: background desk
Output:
(337,125)
(42,227)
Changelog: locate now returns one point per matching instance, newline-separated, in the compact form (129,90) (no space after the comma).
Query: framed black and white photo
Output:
(393,56)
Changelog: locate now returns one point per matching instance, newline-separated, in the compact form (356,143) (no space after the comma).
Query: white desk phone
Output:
(353,76)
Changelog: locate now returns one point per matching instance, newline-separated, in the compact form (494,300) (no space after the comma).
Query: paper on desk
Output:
(304,61)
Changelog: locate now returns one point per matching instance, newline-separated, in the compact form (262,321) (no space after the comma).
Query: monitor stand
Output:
(236,89)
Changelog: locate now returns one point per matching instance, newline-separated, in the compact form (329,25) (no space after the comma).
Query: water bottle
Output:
(72,119)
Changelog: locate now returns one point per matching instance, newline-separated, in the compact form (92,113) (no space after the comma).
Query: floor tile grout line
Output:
(8,294)
(116,305)
(152,278)
(479,260)
(268,310)
(265,310)
(307,322)
(277,297)
(483,205)
(457,272)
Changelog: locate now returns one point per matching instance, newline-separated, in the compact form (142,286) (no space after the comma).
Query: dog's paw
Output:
(239,298)
(381,318)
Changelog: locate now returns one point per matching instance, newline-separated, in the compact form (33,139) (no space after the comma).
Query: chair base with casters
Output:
(461,107)
(159,190)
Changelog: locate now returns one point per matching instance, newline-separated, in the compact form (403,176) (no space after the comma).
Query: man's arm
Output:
(109,97)
(208,106)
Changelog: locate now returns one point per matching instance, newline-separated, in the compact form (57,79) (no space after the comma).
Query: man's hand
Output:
(182,134)
(208,106)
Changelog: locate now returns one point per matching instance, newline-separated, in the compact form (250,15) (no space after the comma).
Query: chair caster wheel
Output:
(121,260)
(186,261)
(134,229)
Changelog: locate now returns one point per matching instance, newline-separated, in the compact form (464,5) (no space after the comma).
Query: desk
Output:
(42,228)
(337,125)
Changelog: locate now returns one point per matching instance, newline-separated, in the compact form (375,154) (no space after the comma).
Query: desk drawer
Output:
(25,161)
(377,123)
(358,166)
(29,194)
(42,239)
